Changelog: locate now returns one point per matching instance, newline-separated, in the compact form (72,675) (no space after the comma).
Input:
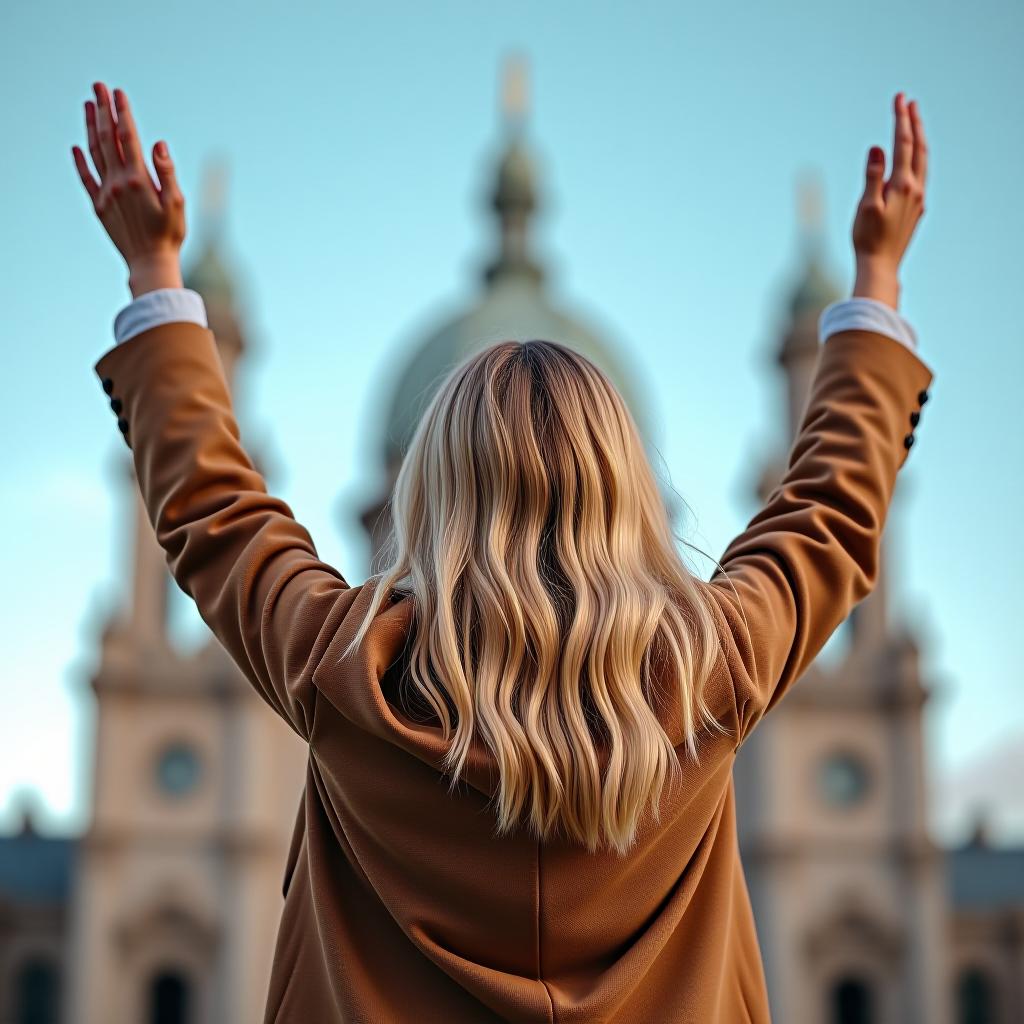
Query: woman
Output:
(519,802)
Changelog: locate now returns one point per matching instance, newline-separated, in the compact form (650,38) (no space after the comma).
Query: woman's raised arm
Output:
(236,550)
(812,552)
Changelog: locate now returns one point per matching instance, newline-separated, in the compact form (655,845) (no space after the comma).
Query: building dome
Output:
(516,306)
(513,303)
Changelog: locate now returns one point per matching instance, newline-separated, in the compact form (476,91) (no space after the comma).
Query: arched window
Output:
(975,998)
(169,998)
(852,1002)
(37,992)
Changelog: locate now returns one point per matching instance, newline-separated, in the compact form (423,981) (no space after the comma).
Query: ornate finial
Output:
(814,288)
(208,274)
(810,203)
(514,197)
(514,99)
(213,194)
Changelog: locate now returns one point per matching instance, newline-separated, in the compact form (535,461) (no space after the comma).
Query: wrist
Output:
(877,280)
(146,274)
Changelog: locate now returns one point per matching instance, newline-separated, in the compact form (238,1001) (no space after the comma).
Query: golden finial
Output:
(514,91)
(213,198)
(810,202)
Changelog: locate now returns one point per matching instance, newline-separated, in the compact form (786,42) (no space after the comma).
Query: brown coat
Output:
(400,905)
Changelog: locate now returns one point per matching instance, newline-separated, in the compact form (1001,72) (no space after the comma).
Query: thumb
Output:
(874,174)
(170,194)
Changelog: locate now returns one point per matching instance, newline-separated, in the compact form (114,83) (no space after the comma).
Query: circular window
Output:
(178,769)
(843,780)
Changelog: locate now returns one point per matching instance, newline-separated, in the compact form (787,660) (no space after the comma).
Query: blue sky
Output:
(668,139)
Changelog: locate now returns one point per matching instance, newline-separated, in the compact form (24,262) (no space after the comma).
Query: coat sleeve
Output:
(812,552)
(239,553)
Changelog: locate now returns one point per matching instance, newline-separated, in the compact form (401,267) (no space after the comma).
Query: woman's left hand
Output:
(146,223)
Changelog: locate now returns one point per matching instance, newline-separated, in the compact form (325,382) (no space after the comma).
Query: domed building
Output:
(515,302)
(165,910)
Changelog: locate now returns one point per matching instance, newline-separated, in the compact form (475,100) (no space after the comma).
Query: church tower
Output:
(847,886)
(195,783)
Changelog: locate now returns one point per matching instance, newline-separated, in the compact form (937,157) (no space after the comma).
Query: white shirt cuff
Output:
(860,313)
(161,306)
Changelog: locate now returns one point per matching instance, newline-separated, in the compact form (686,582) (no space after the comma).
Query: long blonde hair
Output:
(548,593)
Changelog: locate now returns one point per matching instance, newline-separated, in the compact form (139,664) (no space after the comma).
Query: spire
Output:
(815,288)
(514,198)
(208,274)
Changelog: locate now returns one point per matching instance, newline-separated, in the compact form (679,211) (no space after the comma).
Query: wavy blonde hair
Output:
(548,592)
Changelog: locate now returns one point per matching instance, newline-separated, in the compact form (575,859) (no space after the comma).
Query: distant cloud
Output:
(990,785)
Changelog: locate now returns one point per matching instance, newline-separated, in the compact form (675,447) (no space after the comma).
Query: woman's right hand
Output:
(889,210)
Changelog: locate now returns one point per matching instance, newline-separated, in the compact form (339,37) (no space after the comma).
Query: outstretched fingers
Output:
(903,139)
(919,163)
(146,222)
(171,196)
(92,133)
(889,210)
(127,136)
(105,131)
(874,176)
(85,173)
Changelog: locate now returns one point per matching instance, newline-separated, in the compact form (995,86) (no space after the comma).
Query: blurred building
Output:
(165,911)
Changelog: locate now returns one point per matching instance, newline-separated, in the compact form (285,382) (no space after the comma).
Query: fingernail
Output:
(161,148)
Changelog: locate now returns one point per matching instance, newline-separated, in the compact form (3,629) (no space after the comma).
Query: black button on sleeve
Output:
(122,425)
(908,440)
(108,385)
(915,418)
(115,404)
